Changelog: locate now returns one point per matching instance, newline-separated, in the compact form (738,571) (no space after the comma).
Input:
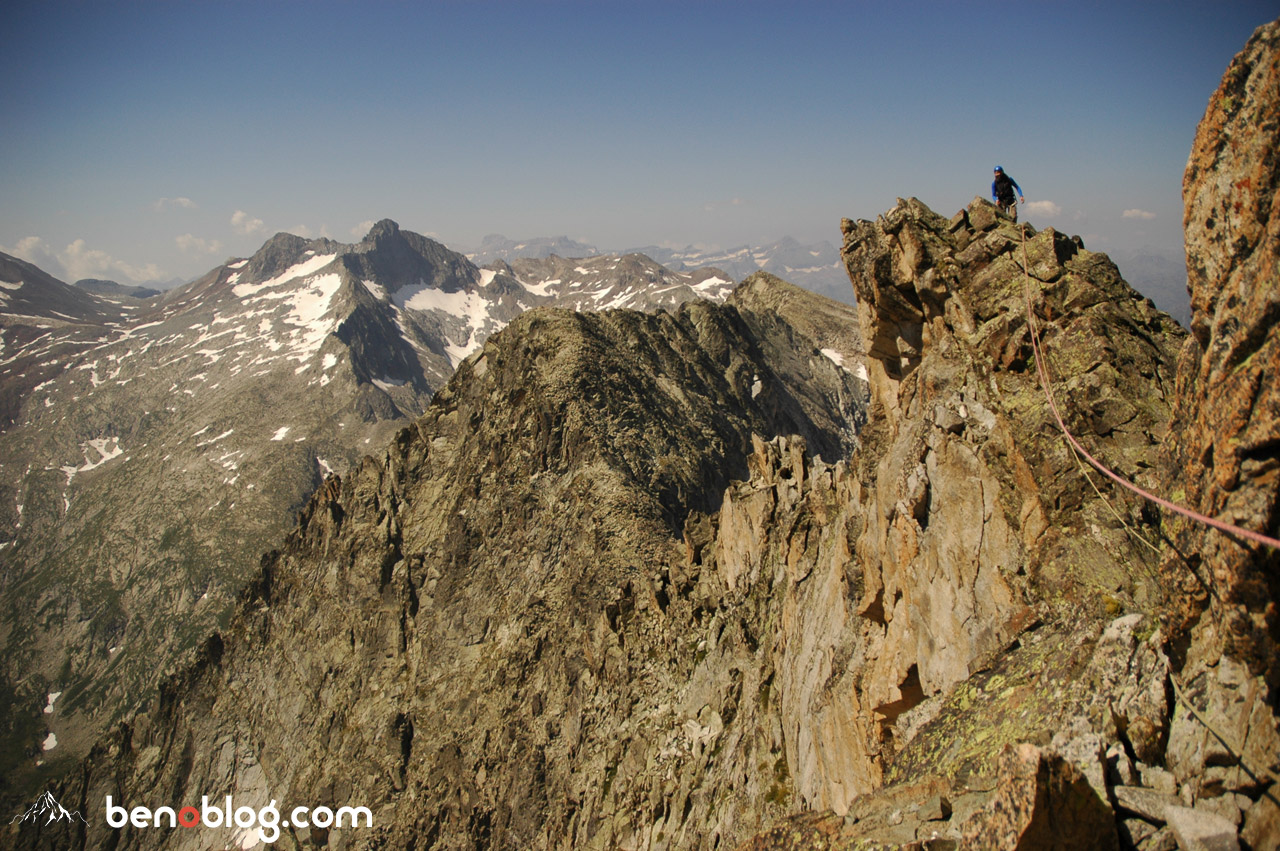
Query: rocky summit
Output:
(151,451)
(652,581)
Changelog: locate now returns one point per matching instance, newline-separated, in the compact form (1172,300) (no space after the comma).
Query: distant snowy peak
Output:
(816,267)
(631,281)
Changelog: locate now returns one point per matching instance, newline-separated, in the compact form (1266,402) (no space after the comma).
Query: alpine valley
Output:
(723,572)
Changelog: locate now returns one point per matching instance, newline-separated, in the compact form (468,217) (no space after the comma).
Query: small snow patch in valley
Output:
(835,357)
(106,450)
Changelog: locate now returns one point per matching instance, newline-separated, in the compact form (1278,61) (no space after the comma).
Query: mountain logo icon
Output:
(46,810)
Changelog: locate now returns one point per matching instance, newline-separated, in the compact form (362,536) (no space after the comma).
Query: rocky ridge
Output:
(484,618)
(156,448)
(1157,730)
(548,619)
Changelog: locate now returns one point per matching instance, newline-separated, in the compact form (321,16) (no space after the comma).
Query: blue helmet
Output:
(999,168)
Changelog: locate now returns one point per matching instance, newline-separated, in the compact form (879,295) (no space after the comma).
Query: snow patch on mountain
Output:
(835,357)
(308,310)
(542,289)
(299,270)
(460,303)
(106,449)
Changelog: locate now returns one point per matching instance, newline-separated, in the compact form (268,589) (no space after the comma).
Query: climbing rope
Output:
(1042,370)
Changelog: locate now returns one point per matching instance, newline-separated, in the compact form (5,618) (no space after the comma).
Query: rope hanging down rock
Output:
(1042,371)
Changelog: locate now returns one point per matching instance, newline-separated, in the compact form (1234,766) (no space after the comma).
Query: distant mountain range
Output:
(1161,278)
(814,267)
(495,246)
(152,450)
(112,289)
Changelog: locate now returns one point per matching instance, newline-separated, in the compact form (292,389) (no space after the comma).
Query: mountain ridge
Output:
(171,440)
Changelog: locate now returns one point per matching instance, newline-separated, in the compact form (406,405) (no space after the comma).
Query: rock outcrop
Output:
(1223,456)
(1169,714)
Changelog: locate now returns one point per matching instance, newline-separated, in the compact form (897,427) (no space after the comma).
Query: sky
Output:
(153,140)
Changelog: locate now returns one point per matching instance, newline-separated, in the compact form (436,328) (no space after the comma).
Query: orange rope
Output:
(1042,371)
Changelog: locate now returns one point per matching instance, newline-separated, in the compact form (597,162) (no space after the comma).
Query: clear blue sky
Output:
(153,140)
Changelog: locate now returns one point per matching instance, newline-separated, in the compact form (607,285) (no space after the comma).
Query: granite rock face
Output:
(1222,458)
(1224,454)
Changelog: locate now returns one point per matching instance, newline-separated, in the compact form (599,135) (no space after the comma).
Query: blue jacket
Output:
(995,187)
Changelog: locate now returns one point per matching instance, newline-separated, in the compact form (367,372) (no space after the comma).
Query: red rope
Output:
(1042,371)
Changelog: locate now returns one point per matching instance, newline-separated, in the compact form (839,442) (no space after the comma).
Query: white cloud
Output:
(1042,208)
(84,262)
(78,261)
(35,250)
(362,230)
(197,245)
(1138,214)
(167,203)
(246,224)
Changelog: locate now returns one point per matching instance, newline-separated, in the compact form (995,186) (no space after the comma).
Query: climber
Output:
(1002,193)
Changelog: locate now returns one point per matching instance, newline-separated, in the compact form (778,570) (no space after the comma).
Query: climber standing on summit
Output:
(1002,188)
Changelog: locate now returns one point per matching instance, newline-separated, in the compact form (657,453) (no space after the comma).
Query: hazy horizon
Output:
(150,141)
